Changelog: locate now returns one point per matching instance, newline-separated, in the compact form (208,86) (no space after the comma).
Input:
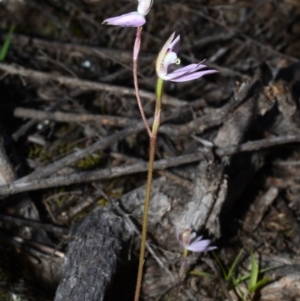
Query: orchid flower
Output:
(168,56)
(191,242)
(133,19)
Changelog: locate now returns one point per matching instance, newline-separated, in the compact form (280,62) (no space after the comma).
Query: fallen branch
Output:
(71,117)
(105,142)
(32,224)
(25,184)
(84,84)
(89,176)
(257,145)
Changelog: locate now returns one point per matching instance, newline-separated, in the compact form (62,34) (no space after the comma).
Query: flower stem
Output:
(183,263)
(153,137)
(181,271)
(136,51)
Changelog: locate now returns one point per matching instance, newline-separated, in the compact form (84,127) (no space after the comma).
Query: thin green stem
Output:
(136,51)
(153,137)
(183,263)
(158,92)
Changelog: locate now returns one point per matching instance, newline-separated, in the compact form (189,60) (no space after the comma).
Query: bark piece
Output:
(285,280)
(7,174)
(258,209)
(203,209)
(90,263)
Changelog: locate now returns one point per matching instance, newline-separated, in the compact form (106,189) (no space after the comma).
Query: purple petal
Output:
(189,76)
(133,19)
(197,238)
(200,246)
(174,45)
(190,68)
(178,73)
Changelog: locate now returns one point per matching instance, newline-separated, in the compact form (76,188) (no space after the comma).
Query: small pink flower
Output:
(133,19)
(191,242)
(168,56)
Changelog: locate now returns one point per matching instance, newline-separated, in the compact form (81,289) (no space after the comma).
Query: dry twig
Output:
(71,117)
(84,84)
(26,183)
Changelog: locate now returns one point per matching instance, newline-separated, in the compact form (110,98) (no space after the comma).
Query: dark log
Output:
(93,252)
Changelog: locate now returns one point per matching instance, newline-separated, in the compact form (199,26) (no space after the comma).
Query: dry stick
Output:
(71,117)
(176,179)
(21,41)
(82,205)
(204,41)
(120,57)
(84,84)
(47,59)
(72,158)
(89,176)
(102,144)
(239,32)
(167,174)
(38,246)
(25,245)
(108,173)
(32,224)
(25,127)
(117,55)
(257,145)
(114,54)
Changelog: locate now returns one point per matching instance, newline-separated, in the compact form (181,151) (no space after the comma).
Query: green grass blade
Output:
(240,293)
(6,44)
(254,272)
(241,279)
(202,274)
(270,268)
(233,266)
(220,265)
(259,284)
